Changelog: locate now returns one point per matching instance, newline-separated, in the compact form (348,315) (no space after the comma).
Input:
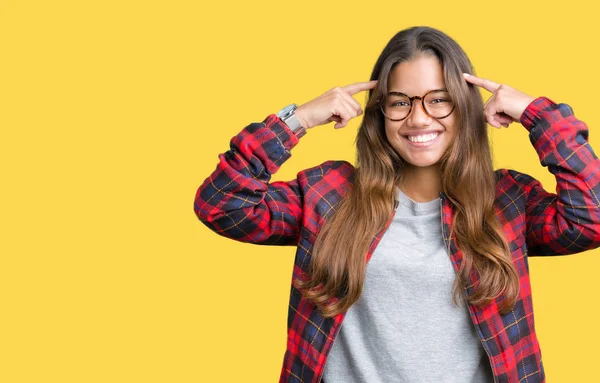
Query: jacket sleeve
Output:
(569,221)
(237,201)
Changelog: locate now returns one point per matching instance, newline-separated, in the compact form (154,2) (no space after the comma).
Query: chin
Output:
(421,162)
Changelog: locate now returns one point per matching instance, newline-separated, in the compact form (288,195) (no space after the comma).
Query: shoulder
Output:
(337,173)
(516,190)
(513,189)
(324,186)
(510,178)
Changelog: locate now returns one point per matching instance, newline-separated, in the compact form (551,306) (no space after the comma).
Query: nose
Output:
(418,116)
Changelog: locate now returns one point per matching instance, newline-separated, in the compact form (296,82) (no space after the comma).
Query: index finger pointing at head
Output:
(359,86)
(482,82)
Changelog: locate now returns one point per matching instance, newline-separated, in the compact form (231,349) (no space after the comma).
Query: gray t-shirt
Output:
(404,327)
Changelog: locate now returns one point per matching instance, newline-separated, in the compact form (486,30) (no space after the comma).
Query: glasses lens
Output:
(438,104)
(396,107)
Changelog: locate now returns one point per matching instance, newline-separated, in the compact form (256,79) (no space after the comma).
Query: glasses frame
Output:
(422,98)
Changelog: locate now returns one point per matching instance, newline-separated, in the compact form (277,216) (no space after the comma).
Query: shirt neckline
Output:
(417,207)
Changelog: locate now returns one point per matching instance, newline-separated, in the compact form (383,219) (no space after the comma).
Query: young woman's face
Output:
(415,78)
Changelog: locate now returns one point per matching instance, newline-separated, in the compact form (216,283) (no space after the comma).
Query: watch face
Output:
(286,111)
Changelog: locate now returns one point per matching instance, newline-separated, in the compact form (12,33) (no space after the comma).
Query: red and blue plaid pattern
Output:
(237,201)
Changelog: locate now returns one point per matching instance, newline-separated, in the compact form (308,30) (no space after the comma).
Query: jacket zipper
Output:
(471,314)
(318,380)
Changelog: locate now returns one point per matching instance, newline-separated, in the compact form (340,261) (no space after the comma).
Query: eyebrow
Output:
(404,94)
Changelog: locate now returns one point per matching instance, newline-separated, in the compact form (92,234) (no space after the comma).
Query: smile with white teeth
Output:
(424,137)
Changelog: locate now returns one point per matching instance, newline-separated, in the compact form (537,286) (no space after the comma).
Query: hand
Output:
(506,105)
(337,104)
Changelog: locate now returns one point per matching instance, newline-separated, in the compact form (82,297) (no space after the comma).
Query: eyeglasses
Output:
(436,103)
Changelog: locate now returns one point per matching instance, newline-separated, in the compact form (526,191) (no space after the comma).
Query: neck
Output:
(422,184)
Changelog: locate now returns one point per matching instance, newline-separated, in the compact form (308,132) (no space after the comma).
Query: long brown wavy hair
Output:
(338,264)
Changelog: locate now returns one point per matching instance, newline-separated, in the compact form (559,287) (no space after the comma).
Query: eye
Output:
(438,99)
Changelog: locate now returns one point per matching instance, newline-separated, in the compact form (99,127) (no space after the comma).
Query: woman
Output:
(446,295)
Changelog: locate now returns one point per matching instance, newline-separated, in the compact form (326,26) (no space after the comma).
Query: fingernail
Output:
(466,74)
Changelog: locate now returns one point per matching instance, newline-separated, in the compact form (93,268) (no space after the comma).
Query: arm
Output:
(569,221)
(237,200)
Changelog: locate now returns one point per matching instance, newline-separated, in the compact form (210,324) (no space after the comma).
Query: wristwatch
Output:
(288,116)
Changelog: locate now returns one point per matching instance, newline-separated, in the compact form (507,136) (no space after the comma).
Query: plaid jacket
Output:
(237,201)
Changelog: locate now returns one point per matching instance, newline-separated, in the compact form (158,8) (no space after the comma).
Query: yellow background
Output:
(112,114)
